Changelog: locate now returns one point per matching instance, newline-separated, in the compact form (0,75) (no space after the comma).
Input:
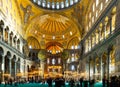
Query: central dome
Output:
(54,4)
(51,27)
(53,24)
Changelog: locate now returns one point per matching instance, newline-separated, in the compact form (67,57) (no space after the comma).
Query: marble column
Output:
(21,65)
(3,34)
(105,25)
(108,62)
(10,66)
(42,67)
(8,37)
(16,44)
(21,46)
(3,67)
(117,54)
(15,69)
(95,38)
(110,20)
(117,25)
(13,41)
(101,69)
(89,69)
(94,71)
(99,35)
(91,41)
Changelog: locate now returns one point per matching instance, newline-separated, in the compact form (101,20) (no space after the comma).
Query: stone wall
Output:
(117,54)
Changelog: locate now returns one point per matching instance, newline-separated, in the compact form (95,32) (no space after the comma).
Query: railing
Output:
(12,49)
(101,43)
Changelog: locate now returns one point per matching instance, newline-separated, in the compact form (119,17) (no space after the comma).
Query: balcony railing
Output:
(14,50)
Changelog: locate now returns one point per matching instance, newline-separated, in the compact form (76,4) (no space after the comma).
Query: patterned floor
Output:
(99,84)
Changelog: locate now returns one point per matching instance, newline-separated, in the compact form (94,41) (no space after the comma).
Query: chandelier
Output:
(55,4)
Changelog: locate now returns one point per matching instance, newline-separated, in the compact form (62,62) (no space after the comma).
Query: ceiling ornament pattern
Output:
(33,43)
(51,25)
(73,42)
(54,47)
(55,4)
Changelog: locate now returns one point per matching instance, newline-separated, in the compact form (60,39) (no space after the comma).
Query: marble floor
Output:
(99,84)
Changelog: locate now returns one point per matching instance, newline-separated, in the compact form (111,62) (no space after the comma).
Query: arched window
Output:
(101,6)
(18,44)
(107,22)
(1,3)
(97,2)
(93,40)
(86,46)
(89,44)
(101,31)
(107,1)
(93,19)
(48,61)
(96,14)
(113,19)
(59,60)
(11,36)
(6,34)
(93,8)
(97,34)
(48,4)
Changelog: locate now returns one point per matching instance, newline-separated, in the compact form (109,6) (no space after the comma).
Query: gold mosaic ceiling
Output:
(52,25)
(49,26)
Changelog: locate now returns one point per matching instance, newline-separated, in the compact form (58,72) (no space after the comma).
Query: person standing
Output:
(103,81)
(81,81)
(57,81)
(49,81)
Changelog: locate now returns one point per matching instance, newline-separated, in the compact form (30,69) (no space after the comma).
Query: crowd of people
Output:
(114,81)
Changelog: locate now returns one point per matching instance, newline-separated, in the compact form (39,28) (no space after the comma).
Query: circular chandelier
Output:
(55,4)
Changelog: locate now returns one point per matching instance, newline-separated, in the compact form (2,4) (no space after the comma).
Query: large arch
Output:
(33,43)
(73,42)
(13,66)
(1,51)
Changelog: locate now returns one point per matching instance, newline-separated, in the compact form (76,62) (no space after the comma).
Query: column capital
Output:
(3,55)
(110,48)
(10,58)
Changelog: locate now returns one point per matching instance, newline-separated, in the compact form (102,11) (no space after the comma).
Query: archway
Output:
(1,29)
(11,38)
(18,44)
(1,53)
(6,73)
(13,74)
(18,73)
(6,34)
(91,69)
(18,66)
(97,71)
(104,65)
(112,61)
(113,13)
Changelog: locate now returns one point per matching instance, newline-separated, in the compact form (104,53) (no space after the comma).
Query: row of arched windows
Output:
(97,8)
(9,37)
(102,31)
(55,4)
